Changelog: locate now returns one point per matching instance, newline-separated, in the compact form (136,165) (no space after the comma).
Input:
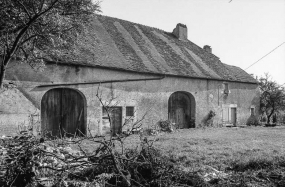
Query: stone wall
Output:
(149,97)
(15,111)
(10,123)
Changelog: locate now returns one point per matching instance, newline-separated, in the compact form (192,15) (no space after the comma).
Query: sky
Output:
(240,32)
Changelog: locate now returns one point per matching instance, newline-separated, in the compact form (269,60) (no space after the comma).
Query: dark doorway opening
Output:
(234,116)
(182,109)
(115,114)
(63,113)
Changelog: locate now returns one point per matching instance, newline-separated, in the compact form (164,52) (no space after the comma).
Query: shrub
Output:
(263,118)
(253,121)
(208,121)
(166,126)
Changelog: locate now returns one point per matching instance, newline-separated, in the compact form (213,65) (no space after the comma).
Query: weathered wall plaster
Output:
(149,97)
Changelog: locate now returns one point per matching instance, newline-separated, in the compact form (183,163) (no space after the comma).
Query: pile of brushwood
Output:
(30,161)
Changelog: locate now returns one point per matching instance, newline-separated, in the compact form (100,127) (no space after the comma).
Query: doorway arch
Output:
(182,109)
(63,113)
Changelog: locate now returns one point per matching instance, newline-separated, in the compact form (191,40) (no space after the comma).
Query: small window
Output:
(252,111)
(130,110)
(226,88)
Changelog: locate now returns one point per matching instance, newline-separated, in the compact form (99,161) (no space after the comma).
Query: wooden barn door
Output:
(63,113)
(51,113)
(181,109)
(72,112)
(180,118)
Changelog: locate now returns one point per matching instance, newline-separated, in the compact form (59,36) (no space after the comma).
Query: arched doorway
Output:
(182,109)
(63,113)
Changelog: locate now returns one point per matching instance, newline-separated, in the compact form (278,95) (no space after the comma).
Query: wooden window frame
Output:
(133,111)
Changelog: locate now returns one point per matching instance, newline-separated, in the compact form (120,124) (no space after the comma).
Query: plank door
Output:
(72,113)
(62,112)
(116,120)
(234,116)
(180,117)
(51,113)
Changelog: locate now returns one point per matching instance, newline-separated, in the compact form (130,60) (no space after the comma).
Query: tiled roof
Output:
(114,43)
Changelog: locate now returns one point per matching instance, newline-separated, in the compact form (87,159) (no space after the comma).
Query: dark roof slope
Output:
(114,43)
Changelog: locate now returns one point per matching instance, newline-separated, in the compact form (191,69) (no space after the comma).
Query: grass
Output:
(220,146)
(217,147)
(250,154)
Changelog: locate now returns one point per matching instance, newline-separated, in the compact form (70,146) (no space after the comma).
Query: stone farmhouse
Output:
(138,72)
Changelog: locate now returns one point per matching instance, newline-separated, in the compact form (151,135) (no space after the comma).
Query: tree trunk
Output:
(268,119)
(269,116)
(3,66)
(2,74)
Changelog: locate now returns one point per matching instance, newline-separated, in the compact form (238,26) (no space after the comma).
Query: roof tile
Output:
(116,43)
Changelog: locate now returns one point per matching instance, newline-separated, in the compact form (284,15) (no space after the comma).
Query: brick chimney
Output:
(207,48)
(180,31)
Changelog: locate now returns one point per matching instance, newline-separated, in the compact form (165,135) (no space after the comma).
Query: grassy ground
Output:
(220,146)
(251,153)
(250,156)
(217,147)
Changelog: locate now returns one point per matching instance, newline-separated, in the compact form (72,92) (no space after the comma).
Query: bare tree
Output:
(36,30)
(272,99)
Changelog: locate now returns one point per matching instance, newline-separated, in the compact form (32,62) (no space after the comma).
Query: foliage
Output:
(272,98)
(209,118)
(19,157)
(253,121)
(263,118)
(211,114)
(166,126)
(282,118)
(38,30)
(262,169)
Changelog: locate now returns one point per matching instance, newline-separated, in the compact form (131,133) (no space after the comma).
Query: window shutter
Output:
(225,114)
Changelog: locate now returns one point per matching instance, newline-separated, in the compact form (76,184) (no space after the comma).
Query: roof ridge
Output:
(131,22)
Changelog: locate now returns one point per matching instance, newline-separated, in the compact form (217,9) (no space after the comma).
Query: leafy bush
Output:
(263,118)
(166,126)
(208,121)
(253,121)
